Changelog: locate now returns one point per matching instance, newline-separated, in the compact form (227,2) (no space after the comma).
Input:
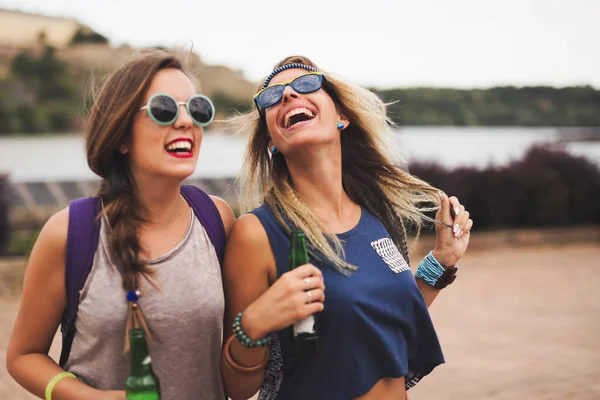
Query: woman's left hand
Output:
(451,243)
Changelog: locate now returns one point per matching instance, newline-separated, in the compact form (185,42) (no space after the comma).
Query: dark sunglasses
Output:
(303,84)
(164,109)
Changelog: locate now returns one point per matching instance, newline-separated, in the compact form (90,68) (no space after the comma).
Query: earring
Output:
(273,150)
(340,125)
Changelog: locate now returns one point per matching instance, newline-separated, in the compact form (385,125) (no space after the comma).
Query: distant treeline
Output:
(41,93)
(499,106)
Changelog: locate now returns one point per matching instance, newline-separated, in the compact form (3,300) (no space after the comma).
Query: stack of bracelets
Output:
(432,272)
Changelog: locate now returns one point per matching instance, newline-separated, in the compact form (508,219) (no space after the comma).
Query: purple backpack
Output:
(82,241)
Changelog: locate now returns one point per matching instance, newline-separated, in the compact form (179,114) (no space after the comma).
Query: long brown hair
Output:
(107,128)
(371,175)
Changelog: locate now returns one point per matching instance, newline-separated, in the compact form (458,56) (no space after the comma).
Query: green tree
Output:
(86,35)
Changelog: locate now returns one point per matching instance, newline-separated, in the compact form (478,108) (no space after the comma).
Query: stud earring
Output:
(340,125)
(273,150)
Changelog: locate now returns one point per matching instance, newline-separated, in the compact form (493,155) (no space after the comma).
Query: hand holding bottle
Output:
(294,296)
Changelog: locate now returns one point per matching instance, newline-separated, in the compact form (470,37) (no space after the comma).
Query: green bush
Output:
(86,35)
(32,119)
(227,105)
(22,242)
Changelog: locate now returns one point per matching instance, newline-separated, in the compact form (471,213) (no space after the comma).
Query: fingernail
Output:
(456,228)
(441,196)
(456,210)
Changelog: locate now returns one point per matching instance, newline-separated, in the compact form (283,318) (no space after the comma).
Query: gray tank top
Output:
(186,320)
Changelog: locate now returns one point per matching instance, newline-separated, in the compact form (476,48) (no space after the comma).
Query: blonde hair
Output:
(369,175)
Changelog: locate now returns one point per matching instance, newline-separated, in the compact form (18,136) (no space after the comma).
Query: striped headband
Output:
(283,68)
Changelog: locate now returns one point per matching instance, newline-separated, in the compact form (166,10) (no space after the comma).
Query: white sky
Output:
(384,43)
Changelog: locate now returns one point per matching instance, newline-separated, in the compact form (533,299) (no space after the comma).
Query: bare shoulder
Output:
(46,265)
(248,248)
(54,232)
(249,231)
(227,215)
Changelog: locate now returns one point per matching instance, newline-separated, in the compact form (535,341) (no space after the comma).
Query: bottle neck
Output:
(140,358)
(298,253)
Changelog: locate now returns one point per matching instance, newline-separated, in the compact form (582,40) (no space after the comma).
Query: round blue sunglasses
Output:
(272,95)
(163,109)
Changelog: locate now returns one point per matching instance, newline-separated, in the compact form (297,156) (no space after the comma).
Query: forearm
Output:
(34,371)
(244,366)
(242,383)
(429,292)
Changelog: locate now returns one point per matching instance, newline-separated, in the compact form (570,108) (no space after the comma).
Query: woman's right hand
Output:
(294,296)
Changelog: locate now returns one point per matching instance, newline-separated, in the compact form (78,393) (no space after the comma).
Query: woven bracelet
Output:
(432,272)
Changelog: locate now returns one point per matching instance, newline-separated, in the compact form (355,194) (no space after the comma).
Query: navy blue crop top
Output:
(375,323)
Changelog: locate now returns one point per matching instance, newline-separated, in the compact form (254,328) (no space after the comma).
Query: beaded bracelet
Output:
(243,338)
(432,272)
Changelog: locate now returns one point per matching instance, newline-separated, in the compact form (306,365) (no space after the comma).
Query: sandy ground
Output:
(517,324)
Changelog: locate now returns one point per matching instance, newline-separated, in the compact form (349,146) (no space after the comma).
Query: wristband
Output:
(55,380)
(434,274)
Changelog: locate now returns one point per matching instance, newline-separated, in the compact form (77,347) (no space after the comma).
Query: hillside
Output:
(44,89)
(47,65)
(100,59)
(84,48)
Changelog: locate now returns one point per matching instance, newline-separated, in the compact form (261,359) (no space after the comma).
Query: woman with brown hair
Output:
(318,161)
(155,265)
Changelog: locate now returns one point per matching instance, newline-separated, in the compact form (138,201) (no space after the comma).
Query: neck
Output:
(317,177)
(160,198)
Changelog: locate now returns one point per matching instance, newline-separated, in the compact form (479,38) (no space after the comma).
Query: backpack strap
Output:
(82,240)
(208,214)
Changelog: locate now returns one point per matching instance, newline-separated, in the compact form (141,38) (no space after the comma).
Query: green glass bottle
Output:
(306,332)
(141,384)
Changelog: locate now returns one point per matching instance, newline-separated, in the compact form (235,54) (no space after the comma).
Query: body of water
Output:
(62,157)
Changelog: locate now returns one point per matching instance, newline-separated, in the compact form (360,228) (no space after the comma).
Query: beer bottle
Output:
(306,336)
(141,384)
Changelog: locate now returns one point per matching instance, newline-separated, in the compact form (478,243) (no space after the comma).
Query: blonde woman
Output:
(317,160)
